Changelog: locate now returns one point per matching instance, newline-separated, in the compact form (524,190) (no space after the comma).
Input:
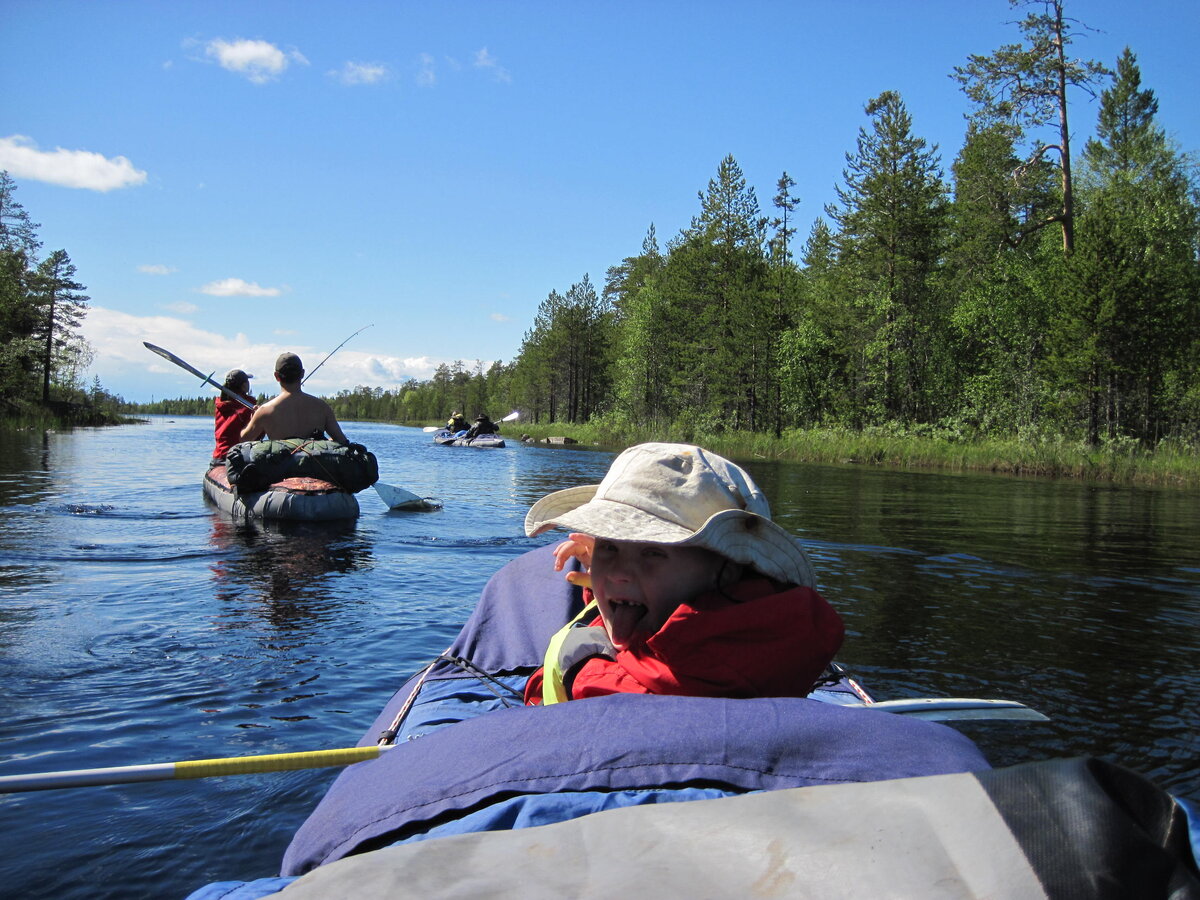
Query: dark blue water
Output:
(138,626)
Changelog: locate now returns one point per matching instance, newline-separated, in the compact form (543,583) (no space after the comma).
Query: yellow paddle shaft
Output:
(273,762)
(196,768)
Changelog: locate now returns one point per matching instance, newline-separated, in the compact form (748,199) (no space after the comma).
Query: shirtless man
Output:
(292,414)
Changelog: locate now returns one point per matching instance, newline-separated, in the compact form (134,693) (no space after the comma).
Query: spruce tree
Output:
(716,286)
(780,244)
(892,216)
(642,344)
(1129,317)
(817,350)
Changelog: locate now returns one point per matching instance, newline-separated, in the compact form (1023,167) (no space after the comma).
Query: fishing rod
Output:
(194,768)
(168,355)
(333,351)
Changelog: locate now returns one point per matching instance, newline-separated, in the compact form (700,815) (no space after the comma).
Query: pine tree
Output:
(63,306)
(18,233)
(1025,86)
(20,352)
(19,315)
(565,362)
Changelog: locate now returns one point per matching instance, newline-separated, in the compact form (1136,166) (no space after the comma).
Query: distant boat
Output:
(448,438)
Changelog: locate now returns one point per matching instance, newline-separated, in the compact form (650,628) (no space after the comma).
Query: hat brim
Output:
(744,537)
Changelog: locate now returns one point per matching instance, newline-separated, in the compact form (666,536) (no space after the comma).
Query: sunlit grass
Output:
(1170,464)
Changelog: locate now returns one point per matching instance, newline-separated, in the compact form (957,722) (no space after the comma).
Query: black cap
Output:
(234,377)
(288,366)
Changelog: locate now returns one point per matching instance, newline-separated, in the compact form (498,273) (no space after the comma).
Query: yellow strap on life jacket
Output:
(571,643)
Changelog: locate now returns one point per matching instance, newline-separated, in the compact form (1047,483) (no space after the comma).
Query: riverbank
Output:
(24,416)
(1169,465)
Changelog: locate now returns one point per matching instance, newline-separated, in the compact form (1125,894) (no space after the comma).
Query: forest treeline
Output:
(1021,294)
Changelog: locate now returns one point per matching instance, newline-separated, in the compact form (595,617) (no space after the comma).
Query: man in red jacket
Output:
(691,588)
(231,416)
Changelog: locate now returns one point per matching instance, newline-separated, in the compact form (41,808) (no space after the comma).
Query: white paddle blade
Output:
(399,498)
(512,416)
(429,428)
(946,709)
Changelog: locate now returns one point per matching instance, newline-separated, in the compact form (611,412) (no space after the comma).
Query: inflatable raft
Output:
(305,479)
(459,439)
(630,795)
(301,499)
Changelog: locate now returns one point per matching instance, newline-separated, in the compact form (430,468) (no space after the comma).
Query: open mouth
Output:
(624,617)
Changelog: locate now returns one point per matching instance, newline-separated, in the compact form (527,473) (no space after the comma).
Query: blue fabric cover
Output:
(622,743)
(240,890)
(531,810)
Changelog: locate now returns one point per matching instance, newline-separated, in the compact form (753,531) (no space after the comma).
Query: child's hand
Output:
(578,546)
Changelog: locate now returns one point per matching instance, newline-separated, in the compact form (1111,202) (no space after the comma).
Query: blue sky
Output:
(234,179)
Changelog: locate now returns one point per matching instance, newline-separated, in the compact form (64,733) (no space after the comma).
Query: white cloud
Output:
(499,317)
(237,287)
(390,370)
(69,168)
(156,269)
(258,61)
(426,74)
(127,368)
(355,73)
(485,60)
(182,307)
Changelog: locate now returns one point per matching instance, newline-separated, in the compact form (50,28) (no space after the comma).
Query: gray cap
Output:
(289,365)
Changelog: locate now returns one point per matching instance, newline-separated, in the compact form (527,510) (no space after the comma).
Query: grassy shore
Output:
(35,417)
(1170,464)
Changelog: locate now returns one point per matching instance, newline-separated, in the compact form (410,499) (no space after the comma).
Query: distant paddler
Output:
(232,410)
(293,413)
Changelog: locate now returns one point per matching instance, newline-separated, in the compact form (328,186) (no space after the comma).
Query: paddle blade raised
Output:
(399,498)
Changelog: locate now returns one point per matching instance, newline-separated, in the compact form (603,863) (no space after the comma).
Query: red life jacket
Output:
(231,419)
(761,643)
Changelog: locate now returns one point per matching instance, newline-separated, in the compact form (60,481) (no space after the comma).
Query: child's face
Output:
(638,585)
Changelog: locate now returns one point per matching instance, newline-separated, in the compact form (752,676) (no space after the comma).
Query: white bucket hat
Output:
(678,494)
